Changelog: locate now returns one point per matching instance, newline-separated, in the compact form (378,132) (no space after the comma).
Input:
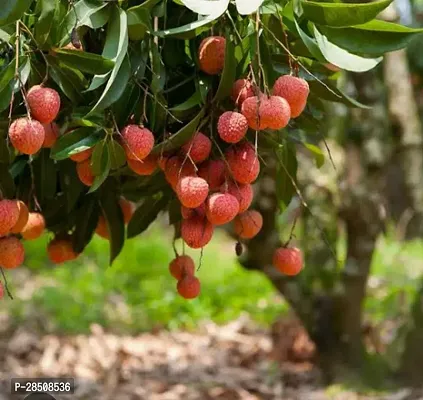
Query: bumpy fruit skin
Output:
(243,163)
(181,266)
(192,191)
(27,136)
(85,172)
(276,113)
(294,90)
(9,215)
(189,287)
(242,90)
(221,208)
(35,226)
(12,253)
(176,169)
(213,171)
(51,134)
(60,251)
(82,156)
(137,142)
(22,219)
(44,103)
(144,167)
(193,212)
(253,110)
(289,261)
(127,210)
(243,193)
(196,232)
(248,224)
(212,55)
(199,147)
(102,229)
(232,126)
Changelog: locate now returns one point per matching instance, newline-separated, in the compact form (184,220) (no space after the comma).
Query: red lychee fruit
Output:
(243,193)
(85,172)
(212,54)
(181,266)
(243,163)
(26,136)
(196,231)
(289,261)
(82,155)
(198,148)
(22,219)
(294,90)
(102,229)
(232,126)
(213,171)
(127,209)
(161,162)
(221,208)
(35,226)
(9,215)
(44,103)
(248,224)
(60,251)
(242,90)
(253,110)
(12,253)
(176,169)
(137,142)
(51,134)
(193,212)
(192,191)
(144,167)
(276,113)
(189,287)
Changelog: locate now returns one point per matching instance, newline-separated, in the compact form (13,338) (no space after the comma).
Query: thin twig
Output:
(6,286)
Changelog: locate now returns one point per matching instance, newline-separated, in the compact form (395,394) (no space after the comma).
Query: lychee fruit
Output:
(294,90)
(221,208)
(196,231)
(253,110)
(12,253)
(35,226)
(161,162)
(289,260)
(248,224)
(213,171)
(85,172)
(193,212)
(243,163)
(44,103)
(243,193)
(51,134)
(198,148)
(276,113)
(82,155)
(212,55)
(242,90)
(127,209)
(102,229)
(176,169)
(22,219)
(9,215)
(192,191)
(181,266)
(137,142)
(189,287)
(232,126)
(144,167)
(26,136)
(60,251)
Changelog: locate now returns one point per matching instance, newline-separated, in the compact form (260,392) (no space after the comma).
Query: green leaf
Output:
(317,153)
(139,22)
(145,214)
(74,142)
(70,184)
(97,157)
(374,38)
(12,10)
(127,104)
(45,21)
(158,70)
(190,103)
(229,71)
(286,173)
(18,166)
(6,75)
(86,222)
(342,58)
(86,62)
(342,14)
(45,176)
(117,154)
(310,43)
(7,185)
(102,170)
(180,137)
